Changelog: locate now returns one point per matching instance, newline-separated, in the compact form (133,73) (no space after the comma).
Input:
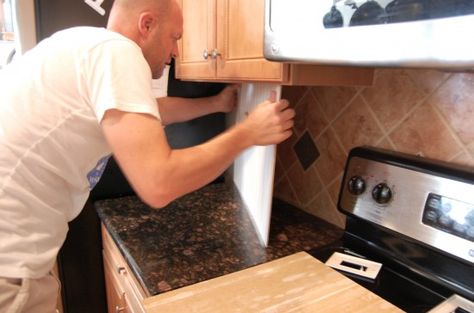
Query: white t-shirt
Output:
(52,148)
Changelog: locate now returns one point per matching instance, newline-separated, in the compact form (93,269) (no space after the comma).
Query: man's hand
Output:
(270,122)
(226,100)
(176,109)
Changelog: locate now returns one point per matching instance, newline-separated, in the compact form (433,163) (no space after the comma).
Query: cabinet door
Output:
(240,42)
(116,302)
(198,36)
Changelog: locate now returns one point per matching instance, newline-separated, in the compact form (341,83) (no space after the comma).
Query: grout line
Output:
(341,111)
(452,132)
(276,181)
(446,122)
(440,84)
(335,212)
(287,169)
(372,113)
(325,186)
(289,182)
(405,117)
(298,103)
(338,214)
(408,114)
(392,143)
(457,155)
(287,200)
(339,142)
(377,121)
(313,198)
(291,185)
(471,154)
(320,108)
(324,116)
(385,135)
(344,108)
(315,170)
(416,105)
(340,175)
(299,111)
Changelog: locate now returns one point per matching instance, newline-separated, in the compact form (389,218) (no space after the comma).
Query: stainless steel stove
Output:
(409,235)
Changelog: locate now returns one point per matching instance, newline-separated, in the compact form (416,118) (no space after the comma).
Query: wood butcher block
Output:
(297,283)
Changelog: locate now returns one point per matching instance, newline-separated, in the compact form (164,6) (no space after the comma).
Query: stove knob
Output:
(356,185)
(382,193)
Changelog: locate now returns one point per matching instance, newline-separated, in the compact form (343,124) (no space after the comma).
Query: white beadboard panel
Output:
(254,169)
(160,86)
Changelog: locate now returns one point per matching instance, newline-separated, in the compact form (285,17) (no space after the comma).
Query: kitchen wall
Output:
(424,112)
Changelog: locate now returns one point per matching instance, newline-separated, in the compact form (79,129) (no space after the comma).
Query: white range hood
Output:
(386,33)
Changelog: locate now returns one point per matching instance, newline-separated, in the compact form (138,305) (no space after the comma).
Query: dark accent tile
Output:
(306,150)
(286,153)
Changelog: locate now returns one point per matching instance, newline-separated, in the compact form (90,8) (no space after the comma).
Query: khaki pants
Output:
(29,295)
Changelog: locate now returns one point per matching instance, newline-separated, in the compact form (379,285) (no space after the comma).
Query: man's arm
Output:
(159,174)
(175,109)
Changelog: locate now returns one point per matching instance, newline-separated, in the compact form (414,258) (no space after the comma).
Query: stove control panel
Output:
(437,210)
(449,215)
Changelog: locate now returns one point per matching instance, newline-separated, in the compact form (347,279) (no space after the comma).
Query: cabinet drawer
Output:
(122,275)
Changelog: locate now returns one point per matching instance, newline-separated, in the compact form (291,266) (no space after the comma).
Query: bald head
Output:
(126,13)
(139,5)
(154,25)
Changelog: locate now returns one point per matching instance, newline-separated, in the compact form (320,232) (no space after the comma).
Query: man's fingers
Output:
(273,96)
(288,125)
(282,105)
(285,135)
(288,113)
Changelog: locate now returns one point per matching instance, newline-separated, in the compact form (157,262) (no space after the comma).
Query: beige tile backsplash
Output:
(425,112)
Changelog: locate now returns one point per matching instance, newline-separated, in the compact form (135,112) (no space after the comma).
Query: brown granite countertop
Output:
(203,235)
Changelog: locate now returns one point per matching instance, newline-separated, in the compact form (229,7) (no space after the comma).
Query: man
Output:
(2,18)
(76,98)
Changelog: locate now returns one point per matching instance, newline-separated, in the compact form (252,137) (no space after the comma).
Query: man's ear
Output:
(146,23)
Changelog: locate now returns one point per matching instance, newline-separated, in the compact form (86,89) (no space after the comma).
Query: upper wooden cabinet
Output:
(223,41)
(198,38)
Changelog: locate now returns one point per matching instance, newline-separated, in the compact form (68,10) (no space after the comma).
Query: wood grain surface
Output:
(297,283)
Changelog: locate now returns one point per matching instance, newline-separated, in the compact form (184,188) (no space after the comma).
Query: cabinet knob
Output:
(215,53)
(121,270)
(119,309)
(205,54)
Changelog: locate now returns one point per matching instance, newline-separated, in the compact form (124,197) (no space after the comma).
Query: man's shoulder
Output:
(89,33)
(86,39)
